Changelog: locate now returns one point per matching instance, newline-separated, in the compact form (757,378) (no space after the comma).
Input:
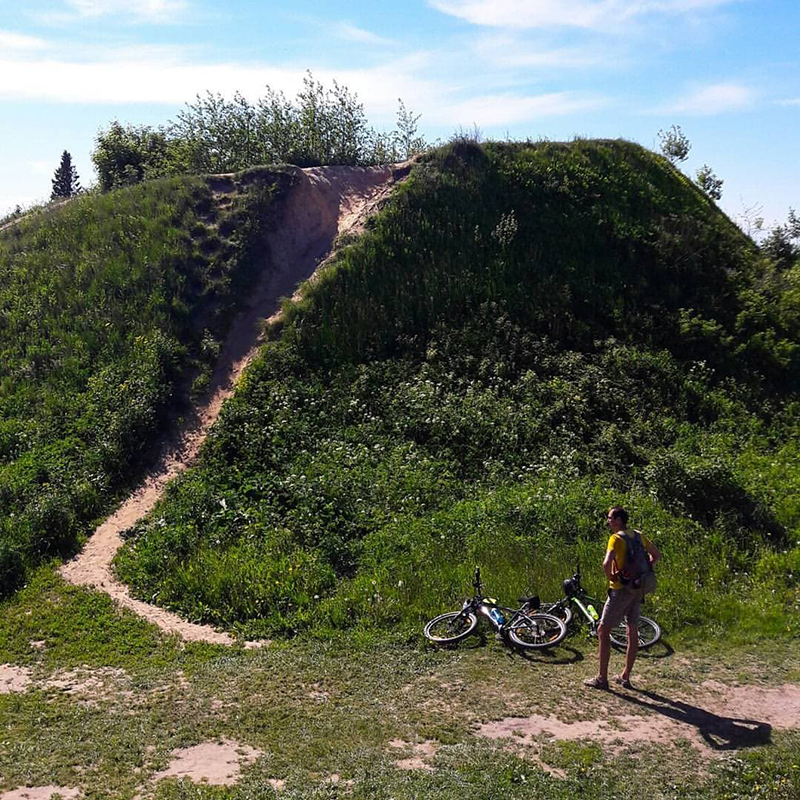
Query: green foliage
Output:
(525,336)
(674,144)
(708,181)
(782,244)
(215,135)
(100,302)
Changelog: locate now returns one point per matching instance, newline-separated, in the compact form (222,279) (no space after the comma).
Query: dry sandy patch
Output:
(218,763)
(13,678)
(423,753)
(40,793)
(720,719)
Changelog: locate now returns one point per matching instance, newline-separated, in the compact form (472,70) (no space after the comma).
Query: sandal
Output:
(596,682)
(624,682)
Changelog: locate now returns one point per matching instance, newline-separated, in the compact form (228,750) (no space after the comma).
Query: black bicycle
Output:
(525,627)
(576,595)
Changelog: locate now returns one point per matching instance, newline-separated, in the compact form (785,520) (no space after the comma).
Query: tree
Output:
(65,178)
(408,140)
(782,244)
(214,134)
(674,144)
(709,182)
(128,154)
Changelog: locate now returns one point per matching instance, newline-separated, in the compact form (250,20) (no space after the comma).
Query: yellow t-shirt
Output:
(616,542)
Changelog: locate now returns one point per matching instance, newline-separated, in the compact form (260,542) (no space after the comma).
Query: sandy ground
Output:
(40,793)
(715,720)
(218,763)
(326,202)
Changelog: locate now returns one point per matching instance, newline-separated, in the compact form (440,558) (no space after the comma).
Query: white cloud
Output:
(792,102)
(352,33)
(508,109)
(129,80)
(154,78)
(158,79)
(17,41)
(717,98)
(506,50)
(589,14)
(153,10)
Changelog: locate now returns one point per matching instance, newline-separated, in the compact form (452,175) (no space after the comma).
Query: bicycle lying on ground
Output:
(575,594)
(525,626)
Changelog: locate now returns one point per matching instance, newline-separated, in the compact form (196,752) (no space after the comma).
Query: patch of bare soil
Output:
(88,686)
(40,793)
(719,719)
(325,203)
(218,763)
(421,754)
(14,679)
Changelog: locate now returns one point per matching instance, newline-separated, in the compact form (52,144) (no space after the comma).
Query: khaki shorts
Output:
(622,604)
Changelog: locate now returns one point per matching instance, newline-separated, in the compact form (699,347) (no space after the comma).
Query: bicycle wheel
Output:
(451,627)
(561,609)
(537,631)
(649,633)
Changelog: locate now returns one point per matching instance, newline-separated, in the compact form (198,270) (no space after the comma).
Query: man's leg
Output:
(604,650)
(604,653)
(632,620)
(632,650)
(613,613)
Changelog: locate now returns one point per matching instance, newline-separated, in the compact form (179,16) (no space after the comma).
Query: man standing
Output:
(624,602)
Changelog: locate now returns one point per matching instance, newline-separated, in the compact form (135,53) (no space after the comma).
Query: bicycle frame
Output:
(579,597)
(649,631)
(483,606)
(523,627)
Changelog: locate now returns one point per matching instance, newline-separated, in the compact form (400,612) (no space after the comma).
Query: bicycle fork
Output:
(590,612)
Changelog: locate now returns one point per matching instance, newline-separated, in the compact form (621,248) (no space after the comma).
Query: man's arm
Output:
(609,565)
(653,552)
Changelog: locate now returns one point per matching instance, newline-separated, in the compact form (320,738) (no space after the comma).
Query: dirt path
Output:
(326,202)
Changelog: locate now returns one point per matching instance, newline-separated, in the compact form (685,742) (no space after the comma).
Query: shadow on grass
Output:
(720,733)
(562,654)
(661,649)
(556,655)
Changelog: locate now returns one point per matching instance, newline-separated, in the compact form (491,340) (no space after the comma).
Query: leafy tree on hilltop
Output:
(65,178)
(214,134)
(708,181)
(675,145)
(407,138)
(782,244)
(128,154)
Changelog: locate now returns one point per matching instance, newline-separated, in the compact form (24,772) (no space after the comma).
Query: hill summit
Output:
(525,335)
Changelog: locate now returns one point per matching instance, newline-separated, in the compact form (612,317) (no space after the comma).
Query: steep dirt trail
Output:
(326,202)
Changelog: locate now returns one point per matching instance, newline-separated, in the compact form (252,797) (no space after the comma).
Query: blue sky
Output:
(726,71)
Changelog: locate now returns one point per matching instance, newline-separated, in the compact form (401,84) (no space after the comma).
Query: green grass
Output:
(319,707)
(110,305)
(525,336)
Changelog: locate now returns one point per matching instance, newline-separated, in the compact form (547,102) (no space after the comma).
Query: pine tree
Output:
(65,178)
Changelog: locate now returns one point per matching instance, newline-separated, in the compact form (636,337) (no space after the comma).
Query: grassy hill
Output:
(111,311)
(526,335)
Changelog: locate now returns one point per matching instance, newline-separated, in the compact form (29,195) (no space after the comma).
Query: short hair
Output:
(619,511)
